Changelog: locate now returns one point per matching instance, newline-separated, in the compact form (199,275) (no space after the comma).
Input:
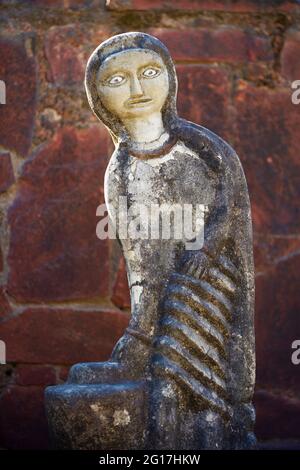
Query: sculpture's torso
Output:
(185,323)
(182,375)
(178,177)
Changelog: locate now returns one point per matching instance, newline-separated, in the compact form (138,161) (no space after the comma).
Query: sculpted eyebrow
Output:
(105,74)
(151,63)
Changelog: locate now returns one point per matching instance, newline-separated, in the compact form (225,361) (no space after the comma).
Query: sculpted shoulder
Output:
(218,153)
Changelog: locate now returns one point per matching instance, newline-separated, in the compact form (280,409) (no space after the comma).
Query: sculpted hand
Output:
(195,263)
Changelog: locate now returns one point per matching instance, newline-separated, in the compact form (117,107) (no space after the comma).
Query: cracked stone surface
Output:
(182,375)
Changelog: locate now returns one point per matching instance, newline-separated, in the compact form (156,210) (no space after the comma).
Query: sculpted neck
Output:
(145,129)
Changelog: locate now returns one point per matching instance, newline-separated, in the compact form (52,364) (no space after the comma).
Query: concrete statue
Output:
(182,375)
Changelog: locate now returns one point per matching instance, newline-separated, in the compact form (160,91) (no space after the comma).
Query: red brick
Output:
(28,374)
(290,56)
(67,49)
(54,252)
(121,293)
(267,140)
(65,56)
(18,71)
(269,248)
(277,323)
(204,96)
(63,374)
(276,263)
(23,422)
(214,5)
(6,172)
(62,336)
(5,308)
(277,416)
(66,4)
(7,376)
(1,260)
(226,44)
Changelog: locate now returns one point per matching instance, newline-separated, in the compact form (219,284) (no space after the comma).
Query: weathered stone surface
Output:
(50,118)
(243,6)
(54,251)
(65,4)
(1,260)
(117,411)
(290,65)
(277,264)
(6,375)
(34,374)
(121,293)
(202,90)
(6,172)
(272,156)
(22,418)
(18,71)
(277,415)
(5,308)
(228,45)
(62,336)
(65,55)
(186,360)
(40,15)
(269,248)
(63,373)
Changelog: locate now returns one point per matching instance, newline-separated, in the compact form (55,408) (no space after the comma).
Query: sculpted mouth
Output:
(138,101)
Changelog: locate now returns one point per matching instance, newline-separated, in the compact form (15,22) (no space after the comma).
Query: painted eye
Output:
(151,72)
(116,80)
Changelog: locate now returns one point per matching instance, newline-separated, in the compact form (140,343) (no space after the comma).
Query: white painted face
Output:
(133,83)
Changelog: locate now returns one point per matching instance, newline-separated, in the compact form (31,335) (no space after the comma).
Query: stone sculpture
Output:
(182,375)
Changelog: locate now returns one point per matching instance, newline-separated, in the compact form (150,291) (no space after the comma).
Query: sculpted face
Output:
(133,83)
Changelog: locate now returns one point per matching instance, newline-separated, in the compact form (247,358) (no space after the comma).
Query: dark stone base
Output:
(97,417)
(105,406)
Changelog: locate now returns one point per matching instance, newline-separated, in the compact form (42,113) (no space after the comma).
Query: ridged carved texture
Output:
(182,375)
(195,324)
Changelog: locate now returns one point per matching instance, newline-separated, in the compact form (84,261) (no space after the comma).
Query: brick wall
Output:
(63,293)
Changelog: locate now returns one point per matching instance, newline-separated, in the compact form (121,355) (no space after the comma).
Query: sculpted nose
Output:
(135,87)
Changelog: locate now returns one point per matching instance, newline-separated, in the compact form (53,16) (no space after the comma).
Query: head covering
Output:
(204,142)
(113,45)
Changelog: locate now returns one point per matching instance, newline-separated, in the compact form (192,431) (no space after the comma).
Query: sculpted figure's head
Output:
(133,83)
(131,86)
